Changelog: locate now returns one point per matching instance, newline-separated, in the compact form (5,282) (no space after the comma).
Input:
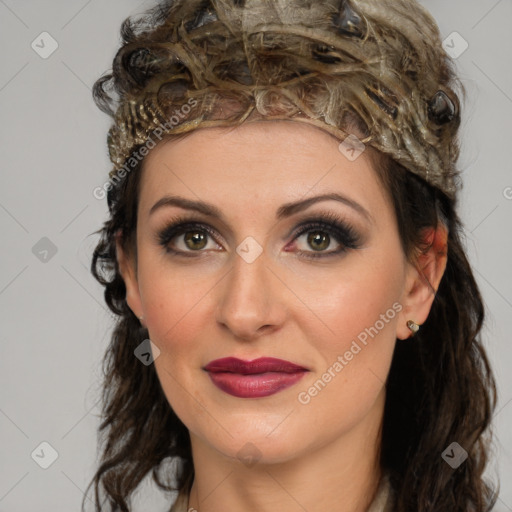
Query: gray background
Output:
(55,325)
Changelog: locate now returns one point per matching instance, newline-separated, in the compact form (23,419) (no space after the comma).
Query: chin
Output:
(257,440)
(262,450)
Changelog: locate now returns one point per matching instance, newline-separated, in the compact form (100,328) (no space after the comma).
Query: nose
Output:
(251,300)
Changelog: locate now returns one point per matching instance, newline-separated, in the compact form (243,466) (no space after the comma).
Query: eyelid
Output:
(189,220)
(180,225)
(347,236)
(329,219)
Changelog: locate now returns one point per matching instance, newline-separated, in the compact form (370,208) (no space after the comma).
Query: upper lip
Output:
(261,365)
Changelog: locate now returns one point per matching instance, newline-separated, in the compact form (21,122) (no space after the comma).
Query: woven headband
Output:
(223,62)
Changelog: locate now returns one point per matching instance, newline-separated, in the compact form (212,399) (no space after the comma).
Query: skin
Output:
(322,455)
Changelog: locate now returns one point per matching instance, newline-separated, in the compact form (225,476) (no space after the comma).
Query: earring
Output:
(413,327)
(140,318)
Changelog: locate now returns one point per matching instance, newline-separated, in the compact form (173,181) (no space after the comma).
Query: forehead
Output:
(261,162)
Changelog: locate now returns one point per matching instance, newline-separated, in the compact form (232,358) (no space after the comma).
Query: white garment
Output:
(384,499)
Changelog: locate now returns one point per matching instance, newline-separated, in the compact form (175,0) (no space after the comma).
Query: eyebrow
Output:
(284,211)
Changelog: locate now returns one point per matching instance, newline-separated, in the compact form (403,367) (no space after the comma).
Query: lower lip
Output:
(256,385)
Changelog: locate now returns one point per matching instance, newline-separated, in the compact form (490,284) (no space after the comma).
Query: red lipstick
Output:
(253,379)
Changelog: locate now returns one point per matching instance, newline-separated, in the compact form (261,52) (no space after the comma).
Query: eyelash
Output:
(330,223)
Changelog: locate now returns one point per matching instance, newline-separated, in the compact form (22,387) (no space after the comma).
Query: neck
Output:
(342,475)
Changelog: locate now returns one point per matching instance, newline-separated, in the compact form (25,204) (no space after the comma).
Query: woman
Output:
(298,323)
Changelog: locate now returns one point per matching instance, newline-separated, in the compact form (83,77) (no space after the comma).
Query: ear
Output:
(423,278)
(128,273)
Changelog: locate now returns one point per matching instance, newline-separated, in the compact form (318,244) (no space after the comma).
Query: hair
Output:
(440,387)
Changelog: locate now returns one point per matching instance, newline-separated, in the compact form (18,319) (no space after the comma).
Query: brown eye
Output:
(319,240)
(196,240)
(313,239)
(186,238)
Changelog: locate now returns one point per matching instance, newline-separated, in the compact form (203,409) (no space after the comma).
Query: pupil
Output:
(317,238)
(196,238)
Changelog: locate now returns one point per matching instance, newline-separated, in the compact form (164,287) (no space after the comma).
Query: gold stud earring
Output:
(413,326)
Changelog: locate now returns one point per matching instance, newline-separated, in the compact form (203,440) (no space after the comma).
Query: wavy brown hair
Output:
(440,387)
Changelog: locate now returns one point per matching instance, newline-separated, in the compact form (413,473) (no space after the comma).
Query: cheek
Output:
(177,312)
(351,370)
(355,298)
(355,307)
(359,310)
(172,299)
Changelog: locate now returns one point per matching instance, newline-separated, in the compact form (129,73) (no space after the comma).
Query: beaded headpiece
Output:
(377,65)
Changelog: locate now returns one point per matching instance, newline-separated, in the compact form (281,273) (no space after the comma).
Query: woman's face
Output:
(245,280)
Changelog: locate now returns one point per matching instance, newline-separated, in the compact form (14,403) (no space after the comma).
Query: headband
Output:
(375,67)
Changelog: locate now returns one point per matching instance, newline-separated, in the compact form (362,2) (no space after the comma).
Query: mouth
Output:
(253,379)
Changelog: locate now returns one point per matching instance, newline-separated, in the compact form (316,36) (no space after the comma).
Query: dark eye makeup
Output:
(326,225)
